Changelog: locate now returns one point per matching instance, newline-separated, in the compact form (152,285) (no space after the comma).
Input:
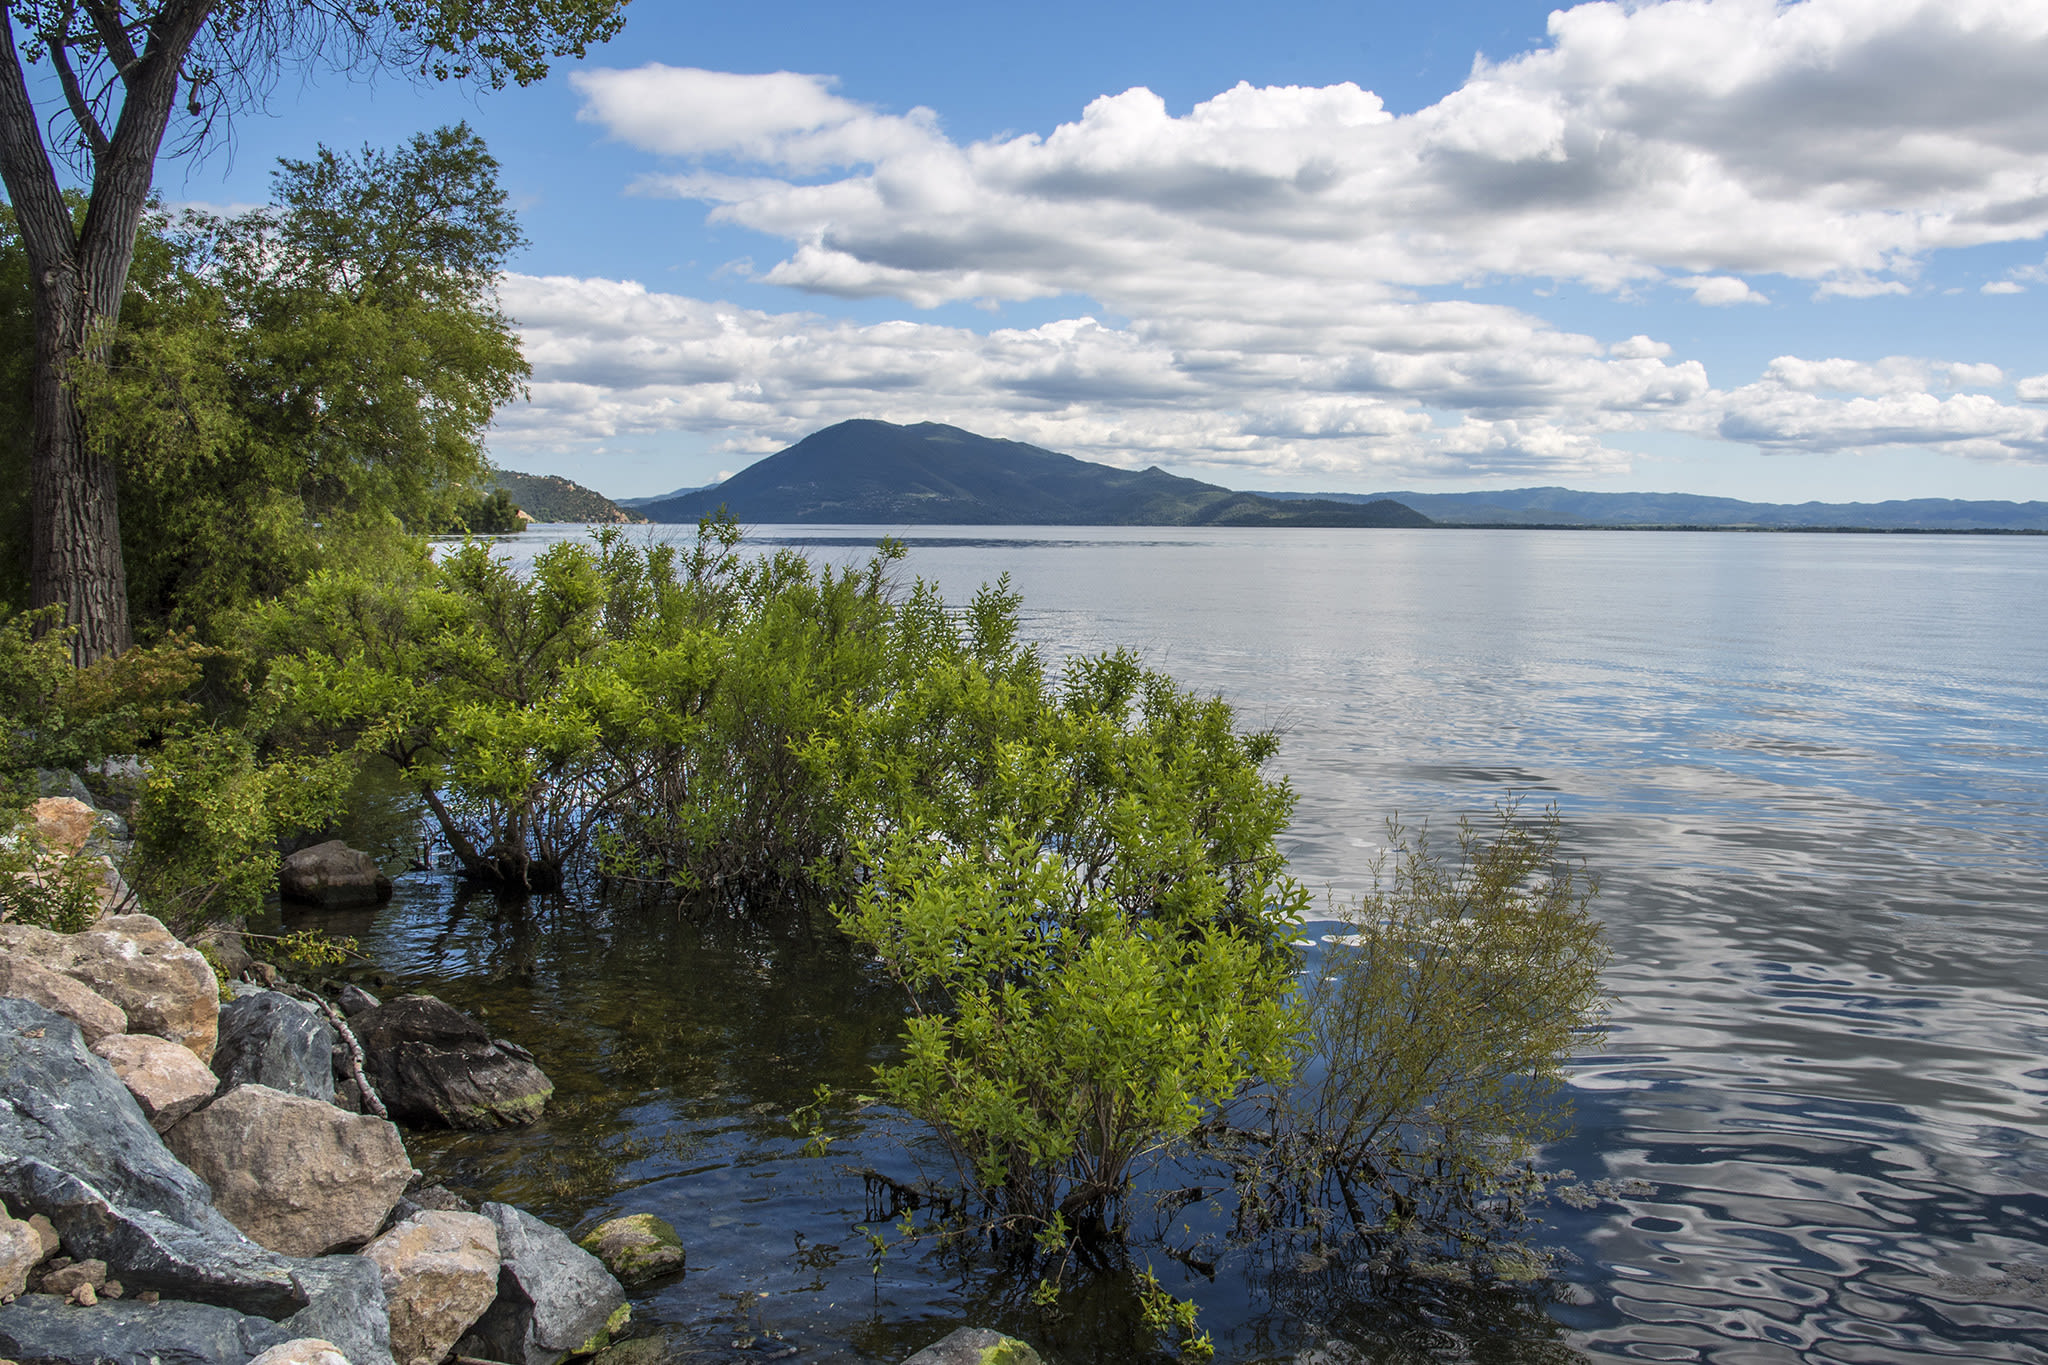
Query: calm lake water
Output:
(1810,772)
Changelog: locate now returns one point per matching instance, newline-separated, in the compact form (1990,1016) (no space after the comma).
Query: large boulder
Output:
(300,1177)
(267,1038)
(148,1250)
(440,1273)
(554,1299)
(64,1107)
(42,1329)
(333,876)
(26,979)
(433,1065)
(163,986)
(975,1346)
(167,1081)
(76,1148)
(636,1248)
(348,1309)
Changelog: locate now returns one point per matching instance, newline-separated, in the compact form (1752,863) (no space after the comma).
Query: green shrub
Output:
(51,888)
(1439,1026)
(1093,941)
(209,819)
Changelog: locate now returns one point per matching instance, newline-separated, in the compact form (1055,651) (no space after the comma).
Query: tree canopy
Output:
(329,361)
(125,76)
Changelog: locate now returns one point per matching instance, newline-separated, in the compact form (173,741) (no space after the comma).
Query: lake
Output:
(1809,771)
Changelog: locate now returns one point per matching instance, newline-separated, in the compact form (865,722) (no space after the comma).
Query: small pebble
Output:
(112,1290)
(146,1296)
(84,1296)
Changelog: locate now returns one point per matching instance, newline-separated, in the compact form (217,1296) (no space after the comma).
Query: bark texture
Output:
(78,276)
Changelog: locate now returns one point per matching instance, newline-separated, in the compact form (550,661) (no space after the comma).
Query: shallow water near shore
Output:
(1810,772)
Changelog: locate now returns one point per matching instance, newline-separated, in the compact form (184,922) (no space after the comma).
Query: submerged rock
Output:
(636,1248)
(333,876)
(434,1065)
(298,1176)
(554,1299)
(975,1346)
(269,1039)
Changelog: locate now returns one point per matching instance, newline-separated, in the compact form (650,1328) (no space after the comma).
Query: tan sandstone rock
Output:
(165,1079)
(92,1273)
(440,1273)
(298,1176)
(21,1250)
(63,822)
(25,978)
(165,987)
(303,1351)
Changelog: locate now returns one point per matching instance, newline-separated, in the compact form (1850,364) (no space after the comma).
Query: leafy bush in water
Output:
(1439,1027)
(1090,923)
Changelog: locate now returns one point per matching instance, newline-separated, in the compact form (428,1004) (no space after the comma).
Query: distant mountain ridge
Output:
(869,472)
(1567,507)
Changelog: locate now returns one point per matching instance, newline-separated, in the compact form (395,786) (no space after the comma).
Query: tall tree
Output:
(120,69)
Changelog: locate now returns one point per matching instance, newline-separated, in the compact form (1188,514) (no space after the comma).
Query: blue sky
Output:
(1768,251)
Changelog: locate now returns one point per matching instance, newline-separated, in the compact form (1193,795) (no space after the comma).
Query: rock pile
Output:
(177,1182)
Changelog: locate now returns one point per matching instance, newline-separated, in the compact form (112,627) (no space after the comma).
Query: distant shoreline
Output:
(1759,530)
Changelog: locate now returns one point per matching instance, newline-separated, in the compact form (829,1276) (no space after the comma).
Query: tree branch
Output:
(106,21)
(46,229)
(74,96)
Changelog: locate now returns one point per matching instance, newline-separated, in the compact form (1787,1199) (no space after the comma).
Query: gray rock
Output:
(147,1250)
(61,1105)
(975,1346)
(554,1298)
(270,1039)
(348,1308)
(353,1000)
(429,1199)
(435,1066)
(62,782)
(636,1248)
(333,876)
(40,1329)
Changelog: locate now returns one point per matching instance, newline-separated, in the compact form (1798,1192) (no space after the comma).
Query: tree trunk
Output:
(77,277)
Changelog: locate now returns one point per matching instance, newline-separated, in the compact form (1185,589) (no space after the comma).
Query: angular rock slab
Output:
(23,978)
(167,1081)
(440,1273)
(62,1106)
(636,1248)
(348,1308)
(41,1329)
(267,1038)
(147,1250)
(975,1346)
(298,1176)
(164,987)
(333,876)
(435,1066)
(554,1299)
(63,821)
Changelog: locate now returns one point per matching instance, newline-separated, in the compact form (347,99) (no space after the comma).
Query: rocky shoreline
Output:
(201,1164)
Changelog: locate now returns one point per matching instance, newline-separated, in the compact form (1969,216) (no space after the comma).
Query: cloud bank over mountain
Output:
(1268,269)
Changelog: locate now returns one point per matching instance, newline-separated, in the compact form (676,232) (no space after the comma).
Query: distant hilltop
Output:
(1564,507)
(869,472)
(549,497)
